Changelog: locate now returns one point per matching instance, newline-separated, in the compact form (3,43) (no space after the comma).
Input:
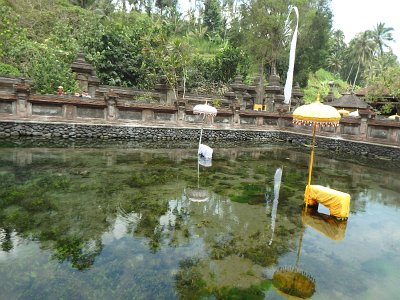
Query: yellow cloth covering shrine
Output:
(337,202)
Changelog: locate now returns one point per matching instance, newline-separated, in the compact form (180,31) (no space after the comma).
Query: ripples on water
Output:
(146,223)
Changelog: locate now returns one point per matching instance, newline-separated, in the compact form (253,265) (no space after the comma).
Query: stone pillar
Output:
(239,88)
(181,115)
(258,88)
(111,100)
(364,124)
(167,93)
(147,115)
(259,121)
(330,97)
(297,97)
(85,75)
(236,117)
(70,111)
(273,91)
(22,91)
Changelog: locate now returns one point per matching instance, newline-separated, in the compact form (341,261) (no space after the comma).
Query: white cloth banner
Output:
(289,77)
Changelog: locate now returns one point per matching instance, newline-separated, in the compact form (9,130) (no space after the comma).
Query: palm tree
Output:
(362,47)
(381,35)
(335,62)
(337,40)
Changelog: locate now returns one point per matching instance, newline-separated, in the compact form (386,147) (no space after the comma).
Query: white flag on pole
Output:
(289,77)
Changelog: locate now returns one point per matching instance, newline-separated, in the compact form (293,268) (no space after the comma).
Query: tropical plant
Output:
(362,48)
(176,59)
(381,35)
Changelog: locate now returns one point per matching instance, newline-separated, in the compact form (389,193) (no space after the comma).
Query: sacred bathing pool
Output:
(105,198)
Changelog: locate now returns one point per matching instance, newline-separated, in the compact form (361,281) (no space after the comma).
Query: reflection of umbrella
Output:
(315,114)
(290,280)
(293,282)
(198,194)
(206,111)
(343,112)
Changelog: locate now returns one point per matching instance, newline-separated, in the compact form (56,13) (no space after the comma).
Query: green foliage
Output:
(8,32)
(228,63)
(10,70)
(383,75)
(48,70)
(314,35)
(220,69)
(318,82)
(217,41)
(212,16)
(121,50)
(216,102)
(383,85)
(175,58)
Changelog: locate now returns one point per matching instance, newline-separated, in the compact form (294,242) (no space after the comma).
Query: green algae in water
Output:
(117,223)
(251,194)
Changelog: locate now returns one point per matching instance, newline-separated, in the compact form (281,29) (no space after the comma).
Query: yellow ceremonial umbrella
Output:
(394,117)
(343,112)
(315,114)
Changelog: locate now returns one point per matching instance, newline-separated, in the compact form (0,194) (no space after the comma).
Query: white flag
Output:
(289,77)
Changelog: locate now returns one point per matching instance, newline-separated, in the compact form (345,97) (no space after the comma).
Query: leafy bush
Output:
(318,82)
(6,69)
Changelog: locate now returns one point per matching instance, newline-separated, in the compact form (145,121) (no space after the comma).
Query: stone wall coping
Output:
(350,120)
(140,106)
(256,113)
(67,99)
(8,96)
(384,123)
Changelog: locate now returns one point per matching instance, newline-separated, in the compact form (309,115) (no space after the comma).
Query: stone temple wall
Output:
(63,134)
(70,117)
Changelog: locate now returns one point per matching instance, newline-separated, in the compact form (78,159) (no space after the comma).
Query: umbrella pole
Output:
(201,134)
(198,172)
(298,250)
(311,162)
(201,131)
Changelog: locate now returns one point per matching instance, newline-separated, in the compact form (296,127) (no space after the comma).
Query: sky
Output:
(354,16)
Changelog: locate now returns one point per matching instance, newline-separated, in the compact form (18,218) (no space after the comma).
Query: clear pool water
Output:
(150,223)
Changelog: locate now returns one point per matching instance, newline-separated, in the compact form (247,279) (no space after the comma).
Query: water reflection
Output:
(100,218)
(294,282)
(329,226)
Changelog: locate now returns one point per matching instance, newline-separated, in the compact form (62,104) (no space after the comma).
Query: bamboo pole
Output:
(311,163)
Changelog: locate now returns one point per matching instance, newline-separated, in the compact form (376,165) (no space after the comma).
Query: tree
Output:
(120,49)
(166,5)
(175,59)
(314,39)
(212,16)
(362,47)
(337,48)
(382,76)
(381,35)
